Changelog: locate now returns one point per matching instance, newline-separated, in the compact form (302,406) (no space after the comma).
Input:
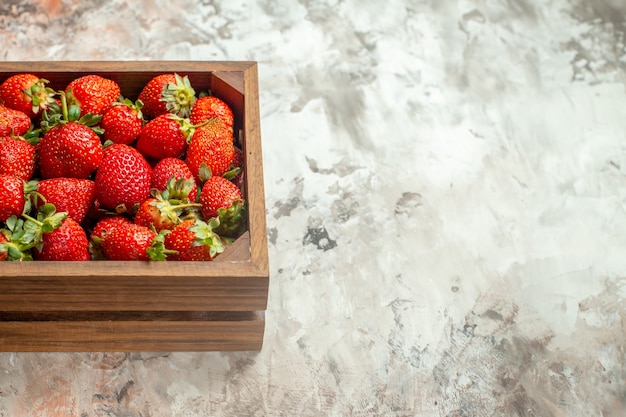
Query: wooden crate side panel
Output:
(254,169)
(129,336)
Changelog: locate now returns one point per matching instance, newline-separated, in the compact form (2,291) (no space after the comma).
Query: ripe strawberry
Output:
(164,210)
(177,169)
(222,199)
(69,150)
(17,157)
(93,94)
(209,107)
(129,242)
(123,178)
(104,226)
(12,196)
(13,122)
(71,195)
(167,93)
(101,229)
(156,214)
(68,242)
(193,240)
(122,123)
(164,137)
(26,93)
(211,147)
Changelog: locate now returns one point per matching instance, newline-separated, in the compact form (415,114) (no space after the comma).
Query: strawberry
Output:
(101,229)
(69,149)
(156,214)
(129,242)
(17,157)
(13,192)
(210,151)
(123,178)
(68,242)
(222,199)
(92,94)
(209,107)
(13,122)
(165,210)
(164,137)
(26,93)
(71,195)
(167,93)
(122,122)
(107,224)
(177,169)
(194,240)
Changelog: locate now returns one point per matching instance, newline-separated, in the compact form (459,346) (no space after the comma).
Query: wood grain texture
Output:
(237,281)
(239,332)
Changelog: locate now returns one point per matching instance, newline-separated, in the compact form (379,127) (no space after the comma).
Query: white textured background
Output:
(446,197)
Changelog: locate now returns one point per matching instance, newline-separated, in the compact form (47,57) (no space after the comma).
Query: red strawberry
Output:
(101,230)
(17,157)
(122,123)
(222,199)
(12,196)
(93,94)
(104,226)
(177,169)
(164,137)
(164,211)
(167,93)
(26,93)
(193,240)
(123,178)
(211,147)
(71,195)
(156,214)
(129,242)
(209,107)
(68,242)
(13,122)
(69,150)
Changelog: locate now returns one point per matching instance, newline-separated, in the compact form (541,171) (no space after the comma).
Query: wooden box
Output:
(149,306)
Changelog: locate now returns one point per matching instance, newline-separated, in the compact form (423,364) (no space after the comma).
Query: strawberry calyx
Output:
(63,112)
(136,105)
(205,235)
(40,96)
(173,203)
(179,97)
(157,250)
(25,233)
(186,127)
(231,218)
(231,173)
(17,240)
(47,219)
(177,190)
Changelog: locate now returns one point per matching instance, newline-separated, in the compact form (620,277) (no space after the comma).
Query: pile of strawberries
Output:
(88,174)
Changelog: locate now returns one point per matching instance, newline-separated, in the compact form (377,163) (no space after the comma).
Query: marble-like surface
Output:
(446,201)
